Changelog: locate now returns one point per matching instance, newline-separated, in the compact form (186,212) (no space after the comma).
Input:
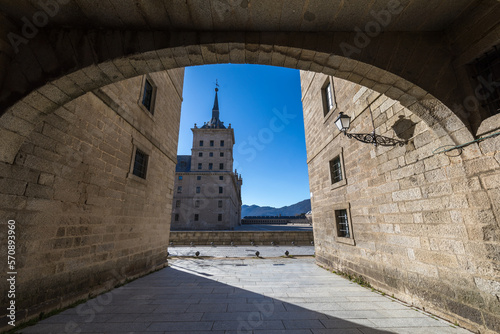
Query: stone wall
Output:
(84,222)
(241,237)
(424,226)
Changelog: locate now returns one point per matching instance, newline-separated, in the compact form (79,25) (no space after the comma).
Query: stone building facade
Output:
(207,193)
(90,192)
(420,225)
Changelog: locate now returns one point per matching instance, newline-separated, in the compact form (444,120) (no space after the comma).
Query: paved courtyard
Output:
(249,295)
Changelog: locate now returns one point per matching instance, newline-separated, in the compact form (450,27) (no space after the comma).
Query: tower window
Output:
(140,164)
(221,177)
(210,166)
(179,189)
(178,204)
(200,154)
(180,177)
(196,217)
(211,143)
(176,218)
(199,165)
(201,142)
(147,96)
(219,217)
(198,177)
(221,190)
(198,190)
(221,166)
(221,154)
(197,204)
(222,143)
(211,154)
(219,204)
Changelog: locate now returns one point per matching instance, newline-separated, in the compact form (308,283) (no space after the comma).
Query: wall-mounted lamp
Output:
(343,123)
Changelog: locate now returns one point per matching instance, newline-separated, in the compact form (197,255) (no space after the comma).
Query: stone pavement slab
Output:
(247,295)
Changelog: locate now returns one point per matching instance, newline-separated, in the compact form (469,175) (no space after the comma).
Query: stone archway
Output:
(421,65)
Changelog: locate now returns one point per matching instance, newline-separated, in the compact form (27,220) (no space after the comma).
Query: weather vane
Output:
(216,84)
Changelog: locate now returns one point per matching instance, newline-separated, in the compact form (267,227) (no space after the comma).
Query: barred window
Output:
(201,142)
(221,154)
(336,170)
(222,143)
(219,217)
(210,166)
(211,143)
(342,223)
(200,154)
(178,204)
(220,204)
(140,164)
(199,165)
(198,190)
(221,190)
(221,166)
(196,217)
(176,217)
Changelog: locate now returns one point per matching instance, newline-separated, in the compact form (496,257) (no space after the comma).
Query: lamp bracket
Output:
(373,138)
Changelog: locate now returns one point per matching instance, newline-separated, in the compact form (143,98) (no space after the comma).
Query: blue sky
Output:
(263,105)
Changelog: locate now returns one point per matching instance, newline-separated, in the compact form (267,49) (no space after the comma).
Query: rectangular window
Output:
(328,94)
(222,143)
(342,223)
(198,177)
(179,189)
(140,164)
(211,143)
(221,166)
(211,154)
(147,96)
(336,170)
(176,217)
(219,204)
(197,204)
(221,177)
(221,154)
(210,166)
(219,217)
(196,217)
(221,190)
(200,154)
(178,204)
(201,142)
(199,165)
(198,190)
(180,177)
(487,74)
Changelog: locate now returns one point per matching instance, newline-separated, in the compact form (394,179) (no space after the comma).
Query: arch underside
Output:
(90,60)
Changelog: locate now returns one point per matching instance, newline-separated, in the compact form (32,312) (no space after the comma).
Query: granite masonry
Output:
(415,223)
(85,221)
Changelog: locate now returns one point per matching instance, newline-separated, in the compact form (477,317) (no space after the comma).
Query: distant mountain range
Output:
(291,210)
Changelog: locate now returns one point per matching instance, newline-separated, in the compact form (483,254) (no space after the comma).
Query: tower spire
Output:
(215,122)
